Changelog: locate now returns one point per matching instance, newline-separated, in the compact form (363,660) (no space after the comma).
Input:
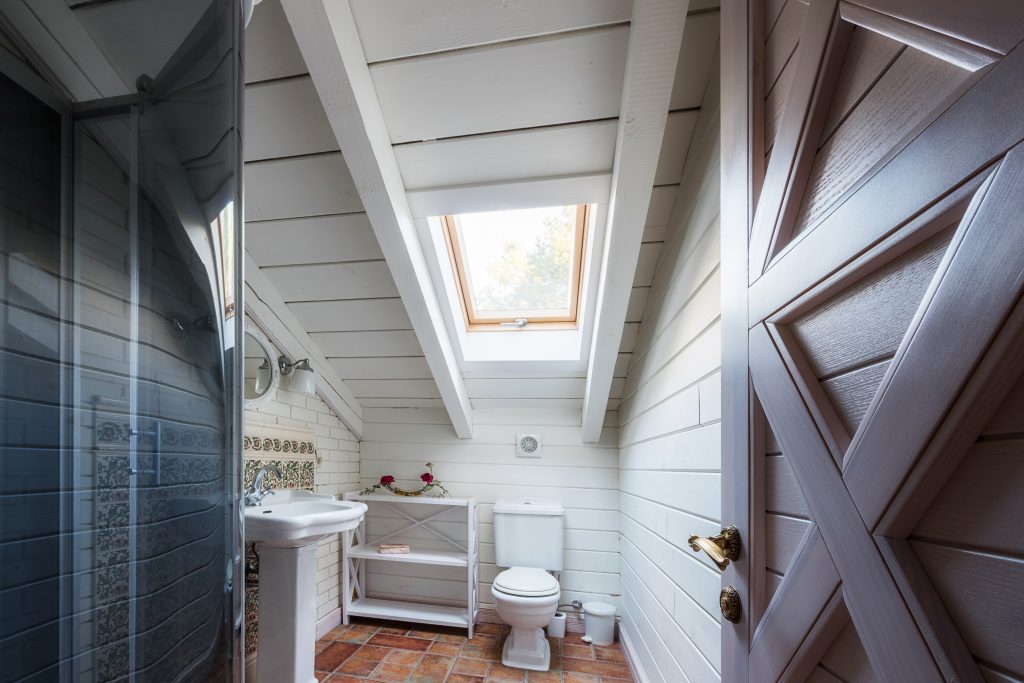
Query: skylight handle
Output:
(518,322)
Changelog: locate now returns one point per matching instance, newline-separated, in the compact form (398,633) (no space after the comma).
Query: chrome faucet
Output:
(255,494)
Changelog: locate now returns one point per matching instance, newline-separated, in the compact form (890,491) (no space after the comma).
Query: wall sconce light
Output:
(301,377)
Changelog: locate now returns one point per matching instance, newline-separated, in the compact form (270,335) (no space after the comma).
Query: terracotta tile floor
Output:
(369,650)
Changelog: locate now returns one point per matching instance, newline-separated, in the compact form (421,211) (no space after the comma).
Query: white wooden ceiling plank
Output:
(637,301)
(539,82)
(654,233)
(367,344)
(393,388)
(527,403)
(519,372)
(696,57)
(270,48)
(284,118)
(300,186)
(352,315)
(371,402)
(264,304)
(629,333)
(401,367)
(572,149)
(319,239)
(431,416)
(655,35)
(621,365)
(403,28)
(674,147)
(521,194)
(547,387)
(660,208)
(333,281)
(646,264)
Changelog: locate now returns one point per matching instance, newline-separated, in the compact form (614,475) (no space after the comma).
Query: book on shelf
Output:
(393,548)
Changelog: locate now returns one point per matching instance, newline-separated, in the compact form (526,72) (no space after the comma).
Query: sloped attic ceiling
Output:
(321,267)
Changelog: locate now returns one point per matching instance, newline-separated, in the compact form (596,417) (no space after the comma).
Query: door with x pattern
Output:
(881,468)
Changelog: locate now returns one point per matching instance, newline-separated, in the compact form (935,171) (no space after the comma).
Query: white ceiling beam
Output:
(655,35)
(274,317)
(327,37)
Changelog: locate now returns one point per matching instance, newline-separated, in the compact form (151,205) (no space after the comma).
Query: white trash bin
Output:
(599,618)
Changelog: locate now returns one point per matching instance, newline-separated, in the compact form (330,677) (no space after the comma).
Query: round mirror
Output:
(261,375)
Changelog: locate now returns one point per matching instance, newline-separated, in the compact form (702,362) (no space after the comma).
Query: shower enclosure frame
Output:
(229,322)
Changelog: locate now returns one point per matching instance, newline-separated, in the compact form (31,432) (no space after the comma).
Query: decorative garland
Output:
(388,482)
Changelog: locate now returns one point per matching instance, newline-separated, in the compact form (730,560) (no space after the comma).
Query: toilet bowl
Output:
(526,599)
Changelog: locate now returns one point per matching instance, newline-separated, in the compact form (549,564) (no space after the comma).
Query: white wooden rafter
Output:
(327,37)
(655,36)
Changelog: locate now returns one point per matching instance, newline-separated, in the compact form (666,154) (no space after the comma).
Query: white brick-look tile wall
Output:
(337,473)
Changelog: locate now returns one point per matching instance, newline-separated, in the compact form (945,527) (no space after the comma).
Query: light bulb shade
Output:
(302,379)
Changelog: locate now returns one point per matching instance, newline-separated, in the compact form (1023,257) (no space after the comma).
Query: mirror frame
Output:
(275,372)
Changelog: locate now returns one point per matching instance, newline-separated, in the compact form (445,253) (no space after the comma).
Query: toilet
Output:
(528,539)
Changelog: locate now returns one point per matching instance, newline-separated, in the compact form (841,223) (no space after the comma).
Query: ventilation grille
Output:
(528,445)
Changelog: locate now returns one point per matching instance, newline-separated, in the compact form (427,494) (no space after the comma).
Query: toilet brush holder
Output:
(556,627)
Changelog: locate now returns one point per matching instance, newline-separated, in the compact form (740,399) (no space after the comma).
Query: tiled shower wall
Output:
(337,472)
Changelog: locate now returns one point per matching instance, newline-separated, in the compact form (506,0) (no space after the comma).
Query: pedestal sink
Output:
(287,527)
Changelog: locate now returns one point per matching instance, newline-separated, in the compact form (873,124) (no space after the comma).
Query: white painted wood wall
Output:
(584,477)
(670,435)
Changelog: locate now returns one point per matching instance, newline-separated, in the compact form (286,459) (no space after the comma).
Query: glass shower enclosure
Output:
(120,413)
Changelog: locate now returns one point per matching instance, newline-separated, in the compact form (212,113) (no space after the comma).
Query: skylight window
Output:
(518,265)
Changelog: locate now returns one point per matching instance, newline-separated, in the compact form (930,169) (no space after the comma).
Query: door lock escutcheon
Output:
(721,548)
(729,602)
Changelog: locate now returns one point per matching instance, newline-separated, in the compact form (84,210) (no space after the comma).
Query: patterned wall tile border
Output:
(294,452)
(273,443)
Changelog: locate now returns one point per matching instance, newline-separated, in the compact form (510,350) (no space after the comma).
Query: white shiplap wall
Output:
(584,477)
(337,472)
(670,435)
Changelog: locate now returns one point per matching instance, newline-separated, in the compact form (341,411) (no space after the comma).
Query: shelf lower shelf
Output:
(439,615)
(436,557)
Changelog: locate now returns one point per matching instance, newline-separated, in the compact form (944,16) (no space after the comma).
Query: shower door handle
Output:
(155,433)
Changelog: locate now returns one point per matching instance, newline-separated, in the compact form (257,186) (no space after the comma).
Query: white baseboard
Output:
(328,623)
(632,661)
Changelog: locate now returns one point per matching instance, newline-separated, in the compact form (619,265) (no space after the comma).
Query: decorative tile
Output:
(403,642)
(294,453)
(390,657)
(332,656)
(431,669)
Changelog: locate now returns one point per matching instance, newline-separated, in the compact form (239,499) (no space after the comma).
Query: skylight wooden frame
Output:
(538,319)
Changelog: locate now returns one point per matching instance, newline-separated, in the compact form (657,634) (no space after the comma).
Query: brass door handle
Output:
(721,548)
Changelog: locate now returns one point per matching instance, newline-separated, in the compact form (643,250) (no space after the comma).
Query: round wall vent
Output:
(528,445)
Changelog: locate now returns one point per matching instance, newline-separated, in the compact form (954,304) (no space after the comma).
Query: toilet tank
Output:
(528,532)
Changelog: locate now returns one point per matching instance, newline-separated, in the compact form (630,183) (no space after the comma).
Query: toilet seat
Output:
(526,582)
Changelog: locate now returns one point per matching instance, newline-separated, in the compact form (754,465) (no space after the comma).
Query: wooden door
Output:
(873,255)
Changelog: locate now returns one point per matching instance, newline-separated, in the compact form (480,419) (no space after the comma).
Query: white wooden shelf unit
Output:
(421,516)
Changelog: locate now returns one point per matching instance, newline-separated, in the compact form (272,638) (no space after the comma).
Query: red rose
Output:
(387,479)
(427,477)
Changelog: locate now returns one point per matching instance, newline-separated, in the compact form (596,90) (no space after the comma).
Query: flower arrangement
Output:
(429,483)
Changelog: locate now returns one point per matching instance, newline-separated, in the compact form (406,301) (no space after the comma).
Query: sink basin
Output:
(288,519)
(287,527)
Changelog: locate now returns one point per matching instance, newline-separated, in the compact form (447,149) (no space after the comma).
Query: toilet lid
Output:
(526,581)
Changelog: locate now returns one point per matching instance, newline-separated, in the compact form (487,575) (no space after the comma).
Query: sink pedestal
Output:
(287,626)
(287,527)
